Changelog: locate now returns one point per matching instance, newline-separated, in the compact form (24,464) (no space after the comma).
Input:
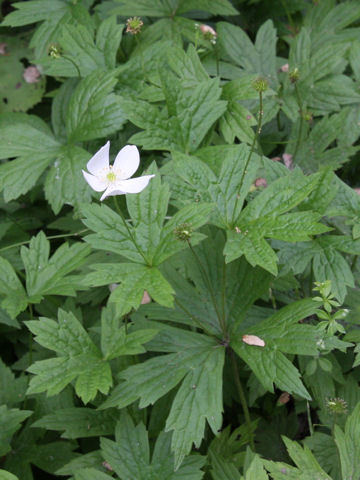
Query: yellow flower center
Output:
(111,176)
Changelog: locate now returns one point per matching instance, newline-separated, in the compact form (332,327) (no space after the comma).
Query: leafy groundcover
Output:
(191,309)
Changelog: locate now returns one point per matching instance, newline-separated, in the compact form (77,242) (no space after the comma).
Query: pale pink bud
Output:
(357,190)
(260,182)
(276,159)
(285,68)
(3,47)
(253,340)
(31,74)
(112,286)
(248,117)
(107,466)
(284,398)
(206,29)
(146,298)
(287,157)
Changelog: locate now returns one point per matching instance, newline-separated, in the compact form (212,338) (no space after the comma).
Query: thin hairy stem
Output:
(118,209)
(72,61)
(242,397)
(311,428)
(50,237)
(301,120)
(256,136)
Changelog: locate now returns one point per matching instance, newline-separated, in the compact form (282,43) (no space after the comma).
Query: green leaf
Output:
(129,455)
(234,182)
(258,59)
(22,137)
(201,364)
(157,8)
(91,474)
(134,278)
(12,390)
(94,111)
(10,286)
(216,7)
(108,38)
(117,341)
(255,249)
(33,11)
(10,422)
(64,182)
(184,126)
(329,264)
(256,470)
(281,333)
(78,358)
(348,444)
(80,422)
(46,276)
(7,475)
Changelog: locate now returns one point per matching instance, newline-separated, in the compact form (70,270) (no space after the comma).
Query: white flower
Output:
(115,179)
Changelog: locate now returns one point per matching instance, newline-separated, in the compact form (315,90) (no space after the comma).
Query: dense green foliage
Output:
(245,363)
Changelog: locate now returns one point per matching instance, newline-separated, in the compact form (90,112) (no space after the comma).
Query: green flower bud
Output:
(133,25)
(261,85)
(337,406)
(183,232)
(294,75)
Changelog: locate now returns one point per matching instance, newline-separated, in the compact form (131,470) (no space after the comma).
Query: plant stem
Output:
(289,17)
(50,237)
(301,120)
(256,136)
(30,337)
(242,397)
(72,61)
(118,209)
(211,291)
(311,428)
(353,265)
(141,57)
(193,318)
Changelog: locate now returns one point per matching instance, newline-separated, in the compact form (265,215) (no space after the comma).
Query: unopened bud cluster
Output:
(208,32)
(133,25)
(55,51)
(294,75)
(183,232)
(260,85)
(337,406)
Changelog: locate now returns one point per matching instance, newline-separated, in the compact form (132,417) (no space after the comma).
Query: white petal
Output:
(253,340)
(134,185)
(110,191)
(94,182)
(127,161)
(100,160)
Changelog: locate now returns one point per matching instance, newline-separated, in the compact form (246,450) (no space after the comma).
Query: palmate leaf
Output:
(80,49)
(307,466)
(77,422)
(94,111)
(348,444)
(78,357)
(281,334)
(147,241)
(258,59)
(188,115)
(29,139)
(11,288)
(197,361)
(129,455)
(46,276)
(264,218)
(10,422)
